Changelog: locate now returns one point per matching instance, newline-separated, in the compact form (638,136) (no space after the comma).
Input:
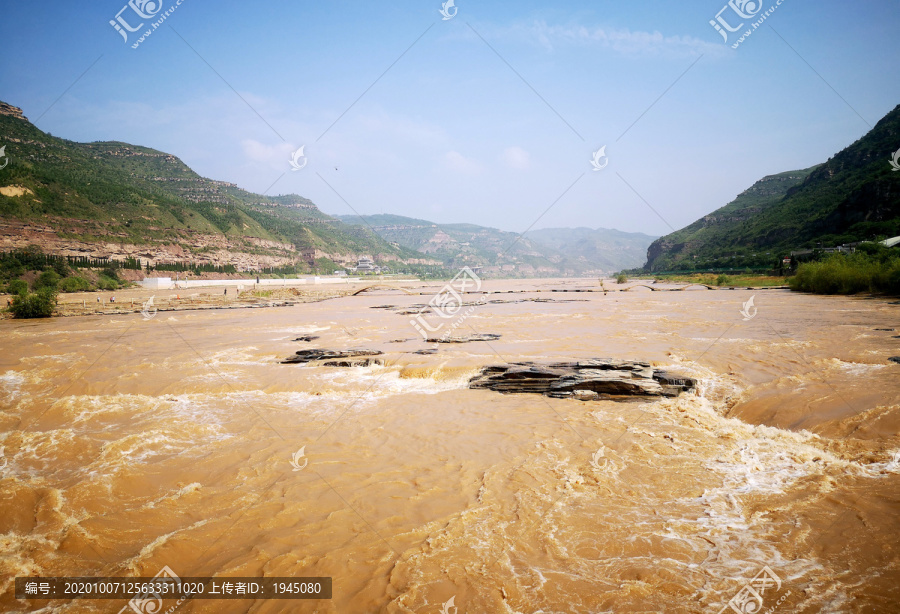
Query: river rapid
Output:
(131,444)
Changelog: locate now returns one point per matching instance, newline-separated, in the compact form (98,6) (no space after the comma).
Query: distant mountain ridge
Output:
(558,251)
(609,249)
(145,203)
(119,200)
(853,196)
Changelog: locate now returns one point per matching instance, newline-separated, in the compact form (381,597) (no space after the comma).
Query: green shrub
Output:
(107,283)
(849,274)
(723,280)
(17,286)
(621,278)
(74,284)
(47,279)
(37,305)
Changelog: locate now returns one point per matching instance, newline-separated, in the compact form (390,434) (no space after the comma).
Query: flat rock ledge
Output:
(585,380)
(335,358)
(464,338)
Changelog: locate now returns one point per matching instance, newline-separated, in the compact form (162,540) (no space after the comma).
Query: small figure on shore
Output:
(112,299)
(226,292)
(98,299)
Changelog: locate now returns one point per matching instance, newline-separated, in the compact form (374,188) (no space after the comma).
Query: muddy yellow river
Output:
(130,445)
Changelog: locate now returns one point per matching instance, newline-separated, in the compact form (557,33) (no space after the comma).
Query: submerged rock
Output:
(465,338)
(585,380)
(353,362)
(307,338)
(895,359)
(335,358)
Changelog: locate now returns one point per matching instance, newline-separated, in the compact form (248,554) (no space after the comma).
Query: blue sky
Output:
(451,132)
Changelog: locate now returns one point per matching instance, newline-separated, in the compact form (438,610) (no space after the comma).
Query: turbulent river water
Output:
(131,444)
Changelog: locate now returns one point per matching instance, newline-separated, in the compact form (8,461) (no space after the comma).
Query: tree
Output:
(47,279)
(37,305)
(18,286)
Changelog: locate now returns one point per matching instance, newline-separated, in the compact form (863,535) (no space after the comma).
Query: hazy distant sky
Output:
(450,132)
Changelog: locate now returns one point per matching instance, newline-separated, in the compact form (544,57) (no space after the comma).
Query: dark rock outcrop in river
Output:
(465,338)
(335,358)
(584,380)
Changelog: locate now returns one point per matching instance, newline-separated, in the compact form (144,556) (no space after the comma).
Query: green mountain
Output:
(550,252)
(458,245)
(854,196)
(126,194)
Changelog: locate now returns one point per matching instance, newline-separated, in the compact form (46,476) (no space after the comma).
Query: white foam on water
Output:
(854,368)
(11,384)
(298,331)
(174,495)
(382,381)
(132,565)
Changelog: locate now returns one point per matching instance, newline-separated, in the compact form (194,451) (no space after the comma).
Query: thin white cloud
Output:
(516,158)
(621,40)
(455,161)
(276,155)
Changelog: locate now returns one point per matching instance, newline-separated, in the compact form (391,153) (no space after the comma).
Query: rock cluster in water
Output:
(335,358)
(464,338)
(307,338)
(584,380)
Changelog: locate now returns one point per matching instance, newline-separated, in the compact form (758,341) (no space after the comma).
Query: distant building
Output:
(366,265)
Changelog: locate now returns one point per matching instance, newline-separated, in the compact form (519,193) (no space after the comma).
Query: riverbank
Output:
(712,279)
(136,299)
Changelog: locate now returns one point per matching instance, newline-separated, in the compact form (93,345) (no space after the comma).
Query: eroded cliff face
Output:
(68,237)
(63,237)
(8,109)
